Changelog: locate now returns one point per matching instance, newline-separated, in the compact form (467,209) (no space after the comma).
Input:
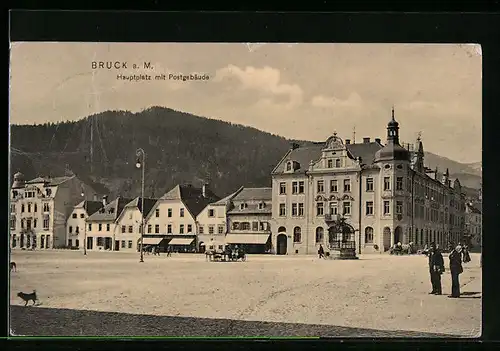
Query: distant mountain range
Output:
(180,148)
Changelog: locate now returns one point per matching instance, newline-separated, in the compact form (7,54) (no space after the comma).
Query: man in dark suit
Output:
(456,269)
(436,268)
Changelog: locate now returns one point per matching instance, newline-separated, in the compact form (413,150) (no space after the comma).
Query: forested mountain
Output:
(180,148)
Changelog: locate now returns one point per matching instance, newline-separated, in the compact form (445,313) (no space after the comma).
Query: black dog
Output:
(27,297)
(13,266)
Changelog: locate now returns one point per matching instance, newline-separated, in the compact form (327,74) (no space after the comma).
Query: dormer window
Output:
(243,206)
(14,193)
(330,163)
(48,192)
(262,205)
(289,166)
(337,163)
(111,211)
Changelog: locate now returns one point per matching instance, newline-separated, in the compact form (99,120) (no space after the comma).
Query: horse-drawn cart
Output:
(227,255)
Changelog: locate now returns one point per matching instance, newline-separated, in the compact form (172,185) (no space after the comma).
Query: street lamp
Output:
(141,163)
(84,226)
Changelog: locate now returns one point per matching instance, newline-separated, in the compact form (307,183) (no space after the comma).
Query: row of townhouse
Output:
(187,218)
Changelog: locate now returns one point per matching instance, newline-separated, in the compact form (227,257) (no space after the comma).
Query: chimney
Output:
(366,140)
(347,141)
(104,200)
(295,146)
(377,140)
(204,189)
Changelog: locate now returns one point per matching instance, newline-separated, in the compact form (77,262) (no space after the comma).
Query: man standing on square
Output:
(436,268)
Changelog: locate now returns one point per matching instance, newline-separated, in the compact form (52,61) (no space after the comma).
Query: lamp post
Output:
(141,163)
(84,226)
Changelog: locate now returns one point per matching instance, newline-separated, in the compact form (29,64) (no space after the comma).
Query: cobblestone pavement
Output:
(381,293)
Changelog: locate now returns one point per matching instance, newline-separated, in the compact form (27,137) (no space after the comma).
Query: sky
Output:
(299,91)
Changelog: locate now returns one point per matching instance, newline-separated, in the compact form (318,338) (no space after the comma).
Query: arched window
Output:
(297,235)
(281,230)
(320,232)
(368,235)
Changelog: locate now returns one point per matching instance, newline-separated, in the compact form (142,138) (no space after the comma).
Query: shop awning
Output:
(181,241)
(151,241)
(250,239)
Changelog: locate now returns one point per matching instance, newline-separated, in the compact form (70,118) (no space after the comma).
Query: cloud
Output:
(354,100)
(266,80)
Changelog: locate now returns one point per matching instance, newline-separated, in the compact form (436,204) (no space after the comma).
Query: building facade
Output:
(213,222)
(75,225)
(384,192)
(100,226)
(249,220)
(174,216)
(39,209)
(128,226)
(473,225)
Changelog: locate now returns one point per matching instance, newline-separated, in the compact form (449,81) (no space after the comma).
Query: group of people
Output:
(458,254)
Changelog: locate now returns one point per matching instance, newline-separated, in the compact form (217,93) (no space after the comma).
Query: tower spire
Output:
(393,113)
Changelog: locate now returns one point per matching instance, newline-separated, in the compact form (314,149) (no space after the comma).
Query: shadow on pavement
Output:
(33,321)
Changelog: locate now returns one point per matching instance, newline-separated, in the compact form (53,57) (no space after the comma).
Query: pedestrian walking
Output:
(321,251)
(465,254)
(455,269)
(436,268)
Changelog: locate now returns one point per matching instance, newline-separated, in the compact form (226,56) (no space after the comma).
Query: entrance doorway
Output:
(90,243)
(47,242)
(107,243)
(117,245)
(21,242)
(398,235)
(281,244)
(42,241)
(387,238)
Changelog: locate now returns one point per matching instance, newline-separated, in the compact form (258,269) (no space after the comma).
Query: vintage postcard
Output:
(251,189)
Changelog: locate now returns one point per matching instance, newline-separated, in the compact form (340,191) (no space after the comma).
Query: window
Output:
(369,184)
(297,235)
(123,244)
(13,223)
(262,206)
(73,215)
(157,228)
(200,229)
(301,187)
(29,208)
(289,166)
(320,186)
(369,208)
(46,222)
(70,229)
(190,228)
(220,229)
(319,209)
(387,183)
(12,208)
(48,192)
(333,186)
(330,164)
(108,227)
(211,213)
(28,224)
(181,229)
(181,212)
(169,212)
(77,243)
(169,228)
(22,224)
(36,208)
(46,207)
(130,244)
(90,227)
(294,210)
(282,188)
(149,228)
(82,215)
(77,230)
(157,212)
(210,229)
(295,187)
(368,235)
(386,208)
(35,221)
(347,185)
(399,183)
(99,226)
(347,208)
(130,229)
(320,232)
(100,241)
(245,226)
(337,163)
(70,243)
(333,208)
(399,207)
(124,229)
(282,210)
(243,206)
(301,209)
(255,226)
(22,208)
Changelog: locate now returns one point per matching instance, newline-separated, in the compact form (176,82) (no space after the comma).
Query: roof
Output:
(137,203)
(228,198)
(49,181)
(91,207)
(254,194)
(302,155)
(474,208)
(392,151)
(364,150)
(111,210)
(192,197)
